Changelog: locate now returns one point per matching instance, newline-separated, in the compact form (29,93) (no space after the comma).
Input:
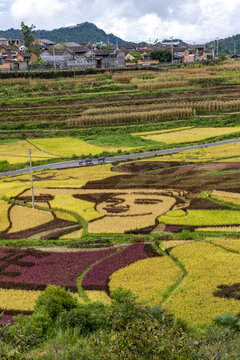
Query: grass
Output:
(121,141)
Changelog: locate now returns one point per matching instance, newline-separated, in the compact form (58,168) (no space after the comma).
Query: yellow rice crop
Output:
(24,218)
(225,194)
(220,228)
(17,152)
(4,222)
(207,267)
(149,279)
(74,235)
(203,218)
(83,208)
(172,243)
(158,132)
(98,296)
(67,146)
(22,300)
(229,152)
(187,135)
(74,178)
(232,244)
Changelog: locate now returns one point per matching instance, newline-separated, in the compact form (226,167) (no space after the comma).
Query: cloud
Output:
(136,20)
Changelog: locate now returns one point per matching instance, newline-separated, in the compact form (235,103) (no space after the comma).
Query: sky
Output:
(132,20)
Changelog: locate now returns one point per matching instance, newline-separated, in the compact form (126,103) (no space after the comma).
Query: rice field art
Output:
(96,229)
(133,198)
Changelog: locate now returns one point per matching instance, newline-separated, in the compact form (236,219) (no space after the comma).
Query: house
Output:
(44,42)
(29,58)
(57,54)
(8,52)
(5,66)
(108,59)
(129,57)
(10,42)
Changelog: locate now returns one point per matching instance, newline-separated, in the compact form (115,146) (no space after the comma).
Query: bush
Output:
(87,318)
(228,320)
(124,309)
(54,301)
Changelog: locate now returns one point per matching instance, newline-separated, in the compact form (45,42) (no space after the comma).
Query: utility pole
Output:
(54,58)
(92,55)
(217,44)
(30,160)
(172,47)
(235,51)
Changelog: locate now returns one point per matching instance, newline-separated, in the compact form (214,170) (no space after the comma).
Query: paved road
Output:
(75,163)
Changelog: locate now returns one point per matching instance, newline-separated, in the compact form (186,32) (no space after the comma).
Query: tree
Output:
(161,55)
(27,34)
(136,55)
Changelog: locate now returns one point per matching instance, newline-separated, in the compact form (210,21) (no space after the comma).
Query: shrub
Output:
(227,320)
(87,318)
(124,309)
(54,301)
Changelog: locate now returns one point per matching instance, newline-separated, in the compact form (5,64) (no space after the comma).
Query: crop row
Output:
(157,115)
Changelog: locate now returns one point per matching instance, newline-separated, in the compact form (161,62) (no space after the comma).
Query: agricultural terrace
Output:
(167,228)
(113,112)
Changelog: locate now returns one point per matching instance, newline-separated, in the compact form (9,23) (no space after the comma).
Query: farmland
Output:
(167,228)
(126,111)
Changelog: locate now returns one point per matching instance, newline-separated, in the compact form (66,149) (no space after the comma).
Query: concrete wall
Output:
(114,62)
(81,62)
(60,59)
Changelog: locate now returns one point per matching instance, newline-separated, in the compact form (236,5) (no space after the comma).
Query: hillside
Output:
(82,33)
(227,44)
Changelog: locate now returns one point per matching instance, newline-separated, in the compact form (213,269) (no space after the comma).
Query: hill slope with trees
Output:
(81,33)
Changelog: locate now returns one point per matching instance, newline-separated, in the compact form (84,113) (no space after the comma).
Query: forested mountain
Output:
(228,44)
(81,33)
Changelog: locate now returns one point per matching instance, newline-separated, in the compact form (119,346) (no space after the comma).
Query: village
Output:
(45,54)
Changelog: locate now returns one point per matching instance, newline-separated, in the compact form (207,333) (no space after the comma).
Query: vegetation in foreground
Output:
(61,328)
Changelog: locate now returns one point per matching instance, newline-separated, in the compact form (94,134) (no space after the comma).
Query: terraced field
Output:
(115,112)
(167,228)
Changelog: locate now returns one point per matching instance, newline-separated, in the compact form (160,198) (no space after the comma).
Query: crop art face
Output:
(134,204)
(130,209)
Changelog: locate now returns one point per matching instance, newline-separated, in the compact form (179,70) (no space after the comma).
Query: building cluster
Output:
(181,53)
(71,55)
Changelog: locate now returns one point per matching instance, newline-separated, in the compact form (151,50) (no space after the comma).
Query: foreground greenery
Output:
(61,328)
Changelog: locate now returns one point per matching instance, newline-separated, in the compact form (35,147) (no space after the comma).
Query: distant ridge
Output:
(227,44)
(81,33)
